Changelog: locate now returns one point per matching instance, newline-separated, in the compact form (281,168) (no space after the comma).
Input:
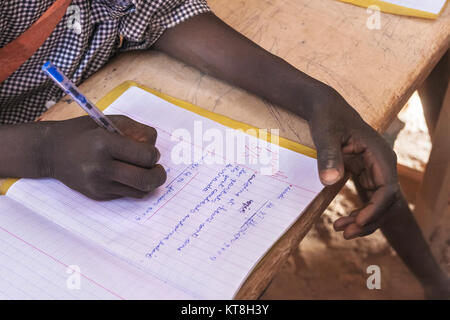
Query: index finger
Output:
(135,130)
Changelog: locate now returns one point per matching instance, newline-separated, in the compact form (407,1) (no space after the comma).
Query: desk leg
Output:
(433,197)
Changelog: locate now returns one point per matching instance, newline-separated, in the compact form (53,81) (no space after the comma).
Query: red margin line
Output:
(60,262)
(173,196)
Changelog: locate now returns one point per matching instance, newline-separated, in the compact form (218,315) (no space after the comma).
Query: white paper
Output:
(433,6)
(205,229)
(40,260)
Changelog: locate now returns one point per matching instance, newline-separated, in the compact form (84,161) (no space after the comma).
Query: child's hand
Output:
(343,139)
(100,164)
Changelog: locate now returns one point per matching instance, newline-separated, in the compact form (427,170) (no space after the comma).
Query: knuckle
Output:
(99,142)
(146,134)
(91,171)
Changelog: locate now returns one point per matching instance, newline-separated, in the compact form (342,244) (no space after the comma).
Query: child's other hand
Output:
(100,164)
(344,140)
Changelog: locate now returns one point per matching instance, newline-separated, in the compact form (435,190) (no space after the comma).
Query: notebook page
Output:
(433,6)
(207,227)
(40,260)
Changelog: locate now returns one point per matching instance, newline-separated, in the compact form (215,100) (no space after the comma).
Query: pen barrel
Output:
(71,89)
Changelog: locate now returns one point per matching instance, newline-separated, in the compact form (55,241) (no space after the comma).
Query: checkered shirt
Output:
(90,33)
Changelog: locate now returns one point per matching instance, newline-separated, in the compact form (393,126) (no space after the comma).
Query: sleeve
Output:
(185,10)
(152,18)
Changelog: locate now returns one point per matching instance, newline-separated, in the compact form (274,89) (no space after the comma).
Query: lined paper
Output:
(433,6)
(430,6)
(206,228)
(37,259)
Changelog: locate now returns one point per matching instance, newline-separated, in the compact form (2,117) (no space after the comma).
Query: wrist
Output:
(316,97)
(327,102)
(22,152)
(311,99)
(282,84)
(43,153)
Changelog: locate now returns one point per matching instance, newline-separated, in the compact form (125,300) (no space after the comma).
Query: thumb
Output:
(330,160)
(135,130)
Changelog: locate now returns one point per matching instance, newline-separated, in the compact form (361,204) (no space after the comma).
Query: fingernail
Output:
(329,176)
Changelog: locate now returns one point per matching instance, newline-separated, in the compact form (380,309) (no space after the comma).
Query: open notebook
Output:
(196,237)
(417,8)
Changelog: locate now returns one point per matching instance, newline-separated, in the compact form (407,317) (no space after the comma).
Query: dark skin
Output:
(342,138)
(401,229)
(40,149)
(339,133)
(100,164)
(344,142)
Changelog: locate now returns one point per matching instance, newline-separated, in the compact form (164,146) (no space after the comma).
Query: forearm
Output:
(208,44)
(405,236)
(21,150)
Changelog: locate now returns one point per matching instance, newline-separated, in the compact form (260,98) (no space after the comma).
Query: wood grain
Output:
(433,198)
(375,70)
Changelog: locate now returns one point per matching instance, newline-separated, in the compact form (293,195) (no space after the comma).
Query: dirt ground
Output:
(325,266)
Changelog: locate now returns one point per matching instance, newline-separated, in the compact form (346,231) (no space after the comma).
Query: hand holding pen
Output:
(99,163)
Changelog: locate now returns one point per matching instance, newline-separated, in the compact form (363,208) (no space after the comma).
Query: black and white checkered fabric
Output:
(85,39)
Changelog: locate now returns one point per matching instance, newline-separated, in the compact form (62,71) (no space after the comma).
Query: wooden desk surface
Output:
(375,70)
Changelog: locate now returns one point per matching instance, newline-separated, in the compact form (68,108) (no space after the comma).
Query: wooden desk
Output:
(375,70)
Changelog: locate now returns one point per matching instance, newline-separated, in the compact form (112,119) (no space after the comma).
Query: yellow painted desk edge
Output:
(115,93)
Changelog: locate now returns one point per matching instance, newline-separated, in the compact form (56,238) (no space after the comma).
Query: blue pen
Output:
(69,87)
